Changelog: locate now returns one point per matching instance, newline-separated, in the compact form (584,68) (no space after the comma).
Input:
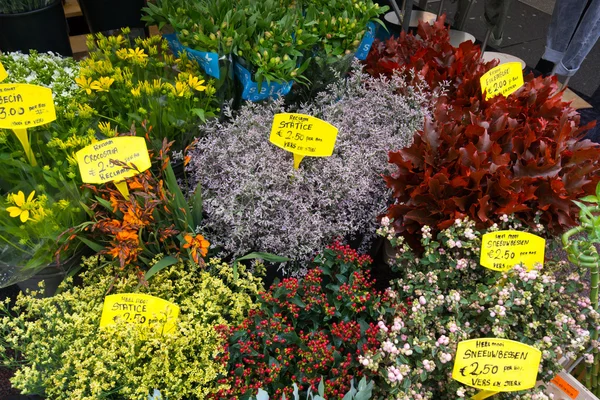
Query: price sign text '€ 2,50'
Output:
(140,309)
(498,365)
(503,79)
(303,135)
(96,160)
(24,106)
(502,250)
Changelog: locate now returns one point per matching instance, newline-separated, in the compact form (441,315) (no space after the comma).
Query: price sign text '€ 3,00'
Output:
(502,250)
(303,135)
(503,79)
(96,160)
(498,365)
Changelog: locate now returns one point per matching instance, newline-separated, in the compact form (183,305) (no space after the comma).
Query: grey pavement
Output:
(525,36)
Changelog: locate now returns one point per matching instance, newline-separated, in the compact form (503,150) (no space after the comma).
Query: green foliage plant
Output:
(22,6)
(61,353)
(363,392)
(580,243)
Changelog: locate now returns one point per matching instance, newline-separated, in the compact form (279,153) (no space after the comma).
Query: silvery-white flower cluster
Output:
(44,69)
(255,199)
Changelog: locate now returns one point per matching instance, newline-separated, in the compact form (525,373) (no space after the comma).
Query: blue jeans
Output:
(565,46)
(494,15)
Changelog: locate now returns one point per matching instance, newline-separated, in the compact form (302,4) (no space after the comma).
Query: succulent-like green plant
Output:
(580,245)
(363,392)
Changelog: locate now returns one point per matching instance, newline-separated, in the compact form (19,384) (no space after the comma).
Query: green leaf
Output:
(199,113)
(263,256)
(197,206)
(321,388)
(590,199)
(92,245)
(162,264)
(262,395)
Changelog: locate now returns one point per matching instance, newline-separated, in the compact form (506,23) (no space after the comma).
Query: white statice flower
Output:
(256,201)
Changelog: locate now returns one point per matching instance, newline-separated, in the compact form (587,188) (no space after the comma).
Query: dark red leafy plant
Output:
(521,154)
(431,58)
(306,329)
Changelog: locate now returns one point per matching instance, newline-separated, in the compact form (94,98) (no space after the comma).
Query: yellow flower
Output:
(21,208)
(137,54)
(196,84)
(84,83)
(106,129)
(103,84)
(136,92)
(180,89)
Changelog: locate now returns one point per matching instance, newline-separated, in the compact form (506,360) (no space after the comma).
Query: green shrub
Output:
(65,355)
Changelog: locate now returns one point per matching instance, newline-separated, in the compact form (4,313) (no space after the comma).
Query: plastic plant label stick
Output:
(565,387)
(496,365)
(503,79)
(96,161)
(24,106)
(141,309)
(3,73)
(303,135)
(502,250)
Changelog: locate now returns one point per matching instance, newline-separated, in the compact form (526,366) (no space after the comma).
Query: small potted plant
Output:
(34,24)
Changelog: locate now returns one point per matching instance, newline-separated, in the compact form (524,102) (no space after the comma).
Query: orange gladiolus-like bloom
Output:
(196,244)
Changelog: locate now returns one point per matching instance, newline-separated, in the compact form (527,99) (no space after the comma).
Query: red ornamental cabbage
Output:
(522,154)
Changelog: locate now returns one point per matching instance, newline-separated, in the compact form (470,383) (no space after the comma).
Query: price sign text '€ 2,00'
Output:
(498,365)
(503,79)
(303,135)
(96,160)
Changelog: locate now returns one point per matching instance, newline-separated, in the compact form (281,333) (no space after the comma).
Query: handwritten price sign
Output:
(96,161)
(502,250)
(303,135)
(24,106)
(496,365)
(3,73)
(504,79)
(141,309)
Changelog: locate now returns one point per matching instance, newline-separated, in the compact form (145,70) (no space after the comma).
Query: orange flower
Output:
(126,235)
(135,185)
(195,244)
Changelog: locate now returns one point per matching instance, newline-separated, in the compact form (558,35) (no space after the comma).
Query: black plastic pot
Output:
(42,30)
(105,15)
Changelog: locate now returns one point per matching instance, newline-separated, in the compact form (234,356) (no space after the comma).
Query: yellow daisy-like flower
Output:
(103,84)
(22,206)
(196,83)
(106,129)
(84,83)
(136,92)
(137,54)
(180,88)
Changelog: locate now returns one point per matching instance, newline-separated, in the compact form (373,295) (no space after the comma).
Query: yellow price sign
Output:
(141,309)
(24,106)
(502,250)
(503,79)
(303,135)
(96,161)
(3,73)
(496,365)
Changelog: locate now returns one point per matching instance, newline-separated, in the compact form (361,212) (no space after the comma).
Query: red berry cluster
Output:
(305,330)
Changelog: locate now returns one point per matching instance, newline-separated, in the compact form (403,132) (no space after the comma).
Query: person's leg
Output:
(583,41)
(495,18)
(565,17)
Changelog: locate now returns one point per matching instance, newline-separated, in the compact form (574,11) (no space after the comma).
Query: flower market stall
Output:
(267,202)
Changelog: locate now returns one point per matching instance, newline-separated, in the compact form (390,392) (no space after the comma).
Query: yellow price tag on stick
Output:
(502,250)
(24,106)
(96,161)
(303,135)
(141,309)
(503,79)
(496,365)
(3,73)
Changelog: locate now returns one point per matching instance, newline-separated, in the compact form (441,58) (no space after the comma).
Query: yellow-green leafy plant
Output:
(62,353)
(133,81)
